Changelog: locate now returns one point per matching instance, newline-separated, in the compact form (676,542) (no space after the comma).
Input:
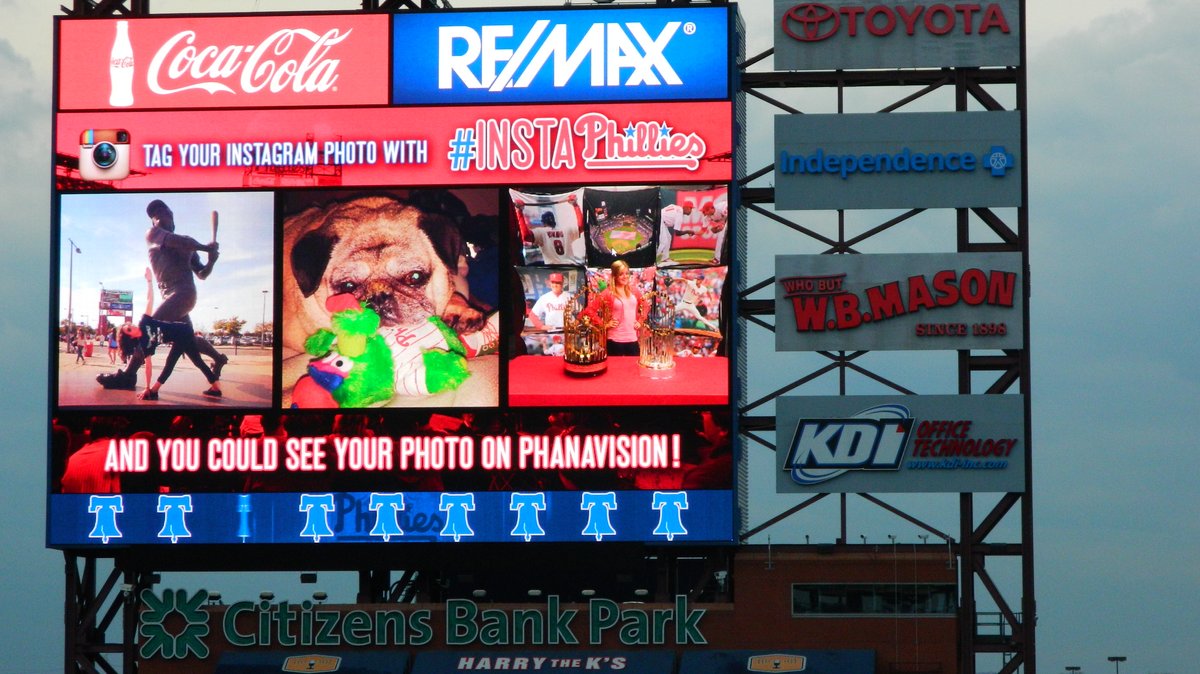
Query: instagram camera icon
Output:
(104,154)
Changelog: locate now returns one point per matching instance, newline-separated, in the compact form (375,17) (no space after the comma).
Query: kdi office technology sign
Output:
(560,56)
(898,302)
(908,34)
(936,443)
(898,160)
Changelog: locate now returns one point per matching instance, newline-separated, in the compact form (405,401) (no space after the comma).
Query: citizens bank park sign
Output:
(856,34)
(898,302)
(458,623)
(937,443)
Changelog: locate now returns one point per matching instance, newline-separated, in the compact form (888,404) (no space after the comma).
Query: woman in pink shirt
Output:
(621,301)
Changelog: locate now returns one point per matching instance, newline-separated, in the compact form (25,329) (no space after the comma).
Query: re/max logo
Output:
(492,57)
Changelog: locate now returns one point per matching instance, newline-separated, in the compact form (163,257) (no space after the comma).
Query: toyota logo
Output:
(810,22)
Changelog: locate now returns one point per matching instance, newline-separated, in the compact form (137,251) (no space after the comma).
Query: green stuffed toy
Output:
(357,364)
(352,365)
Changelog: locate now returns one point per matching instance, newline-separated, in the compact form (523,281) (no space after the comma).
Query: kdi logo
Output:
(874,439)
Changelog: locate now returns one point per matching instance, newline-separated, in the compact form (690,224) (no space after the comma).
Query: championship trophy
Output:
(656,338)
(585,349)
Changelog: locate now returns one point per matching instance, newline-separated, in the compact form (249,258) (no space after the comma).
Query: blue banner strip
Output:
(364,517)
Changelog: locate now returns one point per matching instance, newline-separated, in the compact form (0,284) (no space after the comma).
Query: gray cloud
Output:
(1112,134)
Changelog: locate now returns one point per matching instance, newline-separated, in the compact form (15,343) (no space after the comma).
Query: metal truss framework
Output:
(1013,637)
(95,600)
(107,8)
(93,604)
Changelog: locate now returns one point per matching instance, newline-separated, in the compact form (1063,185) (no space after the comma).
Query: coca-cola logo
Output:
(123,62)
(810,22)
(182,65)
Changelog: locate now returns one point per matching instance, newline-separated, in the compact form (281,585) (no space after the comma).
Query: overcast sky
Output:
(1113,97)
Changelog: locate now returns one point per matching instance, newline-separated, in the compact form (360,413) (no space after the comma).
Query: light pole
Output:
(102,319)
(262,334)
(1117,660)
(71,282)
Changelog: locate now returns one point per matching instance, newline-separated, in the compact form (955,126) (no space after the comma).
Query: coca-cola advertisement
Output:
(219,62)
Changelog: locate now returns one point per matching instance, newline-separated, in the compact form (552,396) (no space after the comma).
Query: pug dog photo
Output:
(403,254)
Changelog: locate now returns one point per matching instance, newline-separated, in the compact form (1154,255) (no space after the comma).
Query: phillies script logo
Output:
(823,303)
(295,59)
(548,143)
(815,21)
(641,145)
(873,439)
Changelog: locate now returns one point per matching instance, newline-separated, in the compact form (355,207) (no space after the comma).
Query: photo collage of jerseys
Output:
(673,238)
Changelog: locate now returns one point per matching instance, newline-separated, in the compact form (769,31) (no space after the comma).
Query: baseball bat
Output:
(214,223)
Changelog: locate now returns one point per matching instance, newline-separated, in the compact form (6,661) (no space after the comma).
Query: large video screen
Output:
(308,289)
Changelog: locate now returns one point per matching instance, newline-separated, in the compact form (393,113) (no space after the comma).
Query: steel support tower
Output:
(1009,629)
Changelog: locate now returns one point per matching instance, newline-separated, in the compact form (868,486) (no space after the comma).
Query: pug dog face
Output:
(403,279)
(399,259)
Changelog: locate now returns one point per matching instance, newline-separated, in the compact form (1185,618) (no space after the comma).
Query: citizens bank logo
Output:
(173,608)
(873,439)
(815,21)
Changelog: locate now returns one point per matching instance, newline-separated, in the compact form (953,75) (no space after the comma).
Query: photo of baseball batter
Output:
(155,277)
(550,226)
(389,299)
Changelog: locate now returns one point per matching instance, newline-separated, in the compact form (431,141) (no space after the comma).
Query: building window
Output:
(829,599)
